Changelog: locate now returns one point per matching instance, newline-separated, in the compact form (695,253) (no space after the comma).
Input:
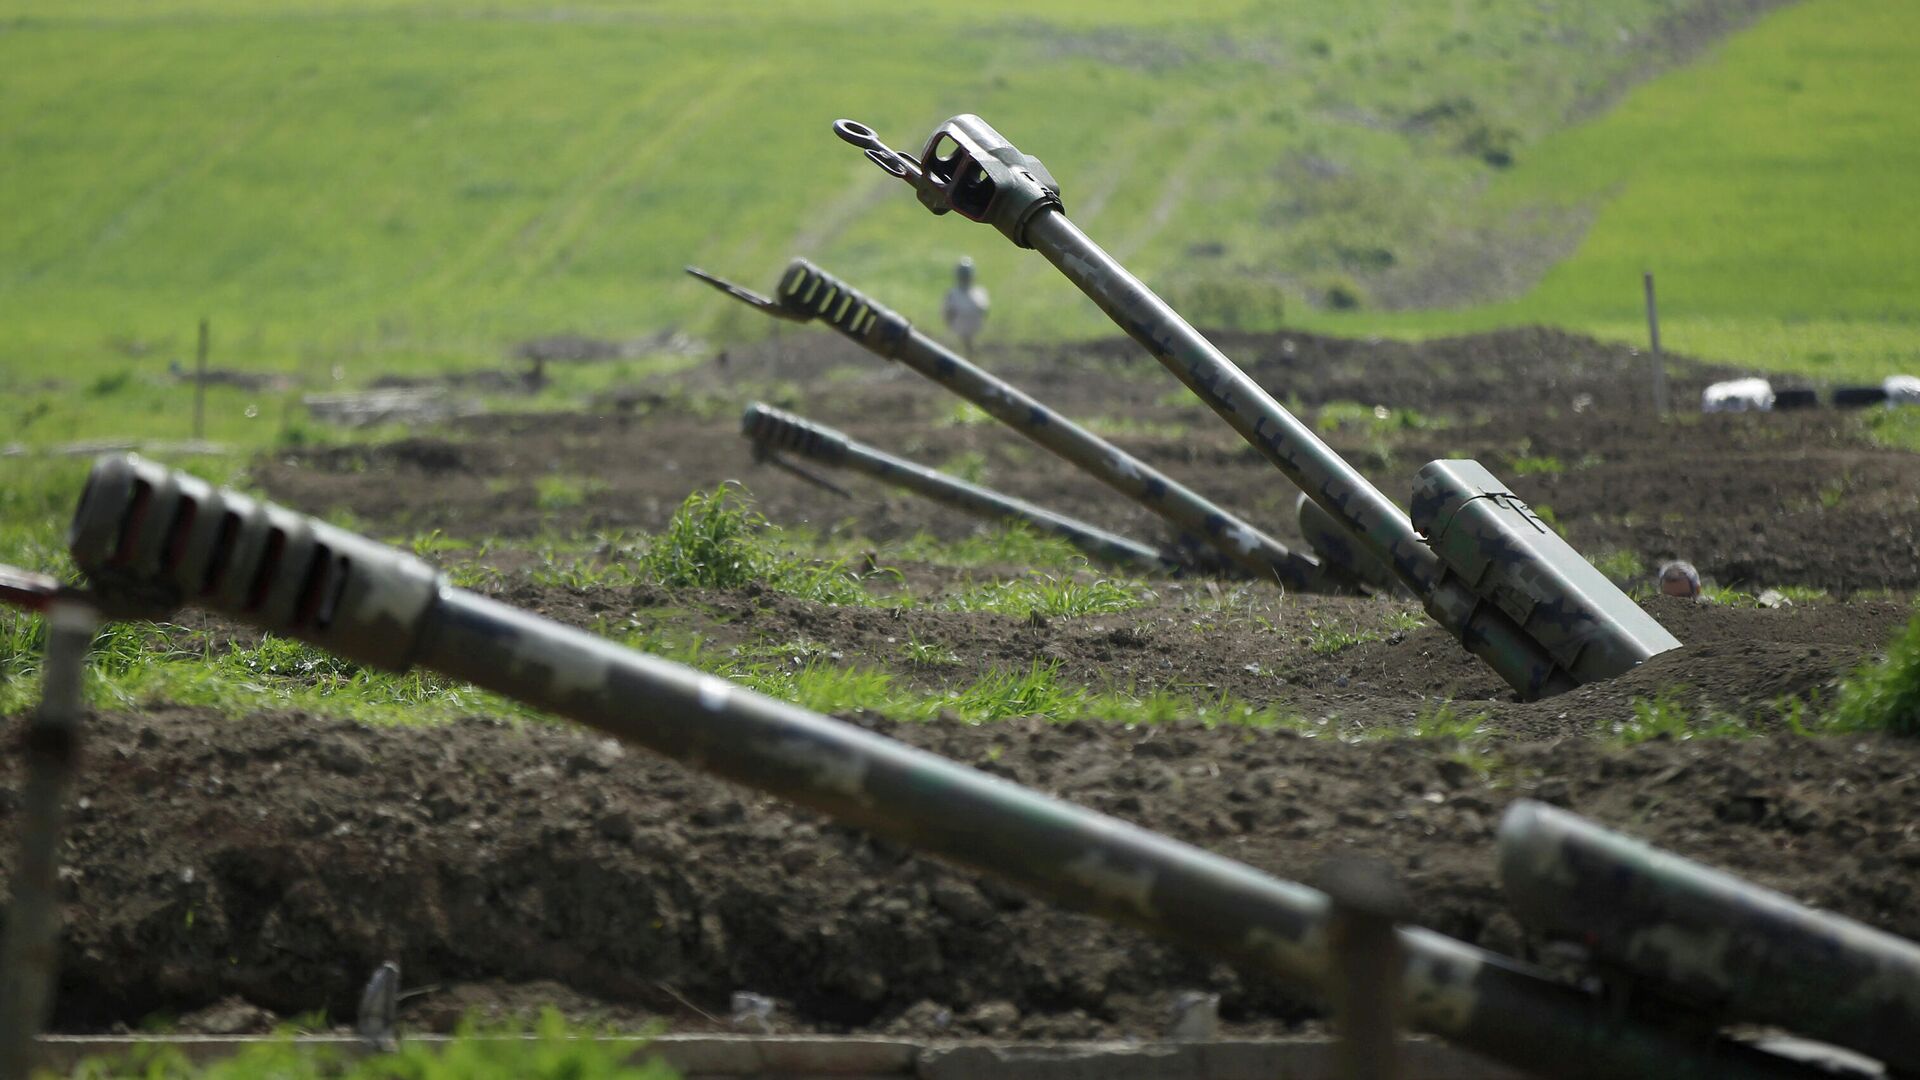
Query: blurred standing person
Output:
(965,307)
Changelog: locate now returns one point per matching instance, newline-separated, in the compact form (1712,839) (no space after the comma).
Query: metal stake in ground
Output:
(1507,587)
(293,575)
(1205,531)
(1367,902)
(30,952)
(1655,360)
(773,431)
(200,383)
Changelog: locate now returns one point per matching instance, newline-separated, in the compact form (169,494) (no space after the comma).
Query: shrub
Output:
(1884,696)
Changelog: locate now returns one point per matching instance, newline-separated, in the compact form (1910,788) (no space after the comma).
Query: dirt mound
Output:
(279,858)
(1753,500)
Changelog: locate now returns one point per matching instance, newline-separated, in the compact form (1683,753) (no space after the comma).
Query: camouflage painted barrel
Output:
(773,429)
(1706,939)
(165,537)
(970,168)
(1204,531)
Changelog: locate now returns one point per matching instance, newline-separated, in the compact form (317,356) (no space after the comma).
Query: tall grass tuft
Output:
(1884,696)
(716,541)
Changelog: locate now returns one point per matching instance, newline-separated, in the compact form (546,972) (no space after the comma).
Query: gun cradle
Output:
(1513,560)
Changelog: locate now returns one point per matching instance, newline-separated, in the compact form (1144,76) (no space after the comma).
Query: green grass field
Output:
(383,185)
(1771,189)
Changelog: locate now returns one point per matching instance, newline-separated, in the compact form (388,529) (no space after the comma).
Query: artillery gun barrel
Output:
(1355,506)
(808,292)
(148,532)
(1707,939)
(773,430)
(1507,587)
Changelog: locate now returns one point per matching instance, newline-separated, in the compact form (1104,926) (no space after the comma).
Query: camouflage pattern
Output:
(1502,552)
(1336,547)
(1689,934)
(773,430)
(1205,534)
(28,955)
(1028,210)
(1078,858)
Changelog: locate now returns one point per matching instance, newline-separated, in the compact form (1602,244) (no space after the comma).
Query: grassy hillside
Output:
(1772,189)
(376,185)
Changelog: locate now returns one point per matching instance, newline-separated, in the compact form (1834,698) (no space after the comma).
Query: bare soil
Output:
(278,858)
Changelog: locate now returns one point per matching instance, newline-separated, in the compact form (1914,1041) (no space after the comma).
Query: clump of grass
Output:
(1405,621)
(1619,565)
(714,541)
(1545,513)
(1445,721)
(1531,465)
(1335,415)
(709,543)
(1898,428)
(928,654)
(970,466)
(1054,597)
(1002,694)
(1884,696)
(966,414)
(1667,715)
(555,1052)
(1326,638)
(557,491)
(1013,545)
(1121,426)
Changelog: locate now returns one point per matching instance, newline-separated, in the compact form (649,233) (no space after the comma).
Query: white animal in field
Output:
(1902,390)
(965,306)
(1738,395)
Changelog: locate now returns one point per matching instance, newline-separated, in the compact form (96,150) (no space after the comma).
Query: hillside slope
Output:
(1771,188)
(418,182)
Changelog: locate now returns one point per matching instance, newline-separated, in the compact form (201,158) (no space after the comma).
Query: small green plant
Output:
(1327,638)
(970,466)
(1884,696)
(557,491)
(714,541)
(1002,694)
(1728,595)
(552,1051)
(928,654)
(1445,721)
(966,414)
(1335,415)
(1405,622)
(1898,428)
(1619,565)
(1668,715)
(1545,513)
(436,542)
(1012,545)
(1054,597)
(1662,716)
(1530,465)
(109,384)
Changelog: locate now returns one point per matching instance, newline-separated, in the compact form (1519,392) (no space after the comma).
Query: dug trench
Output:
(270,861)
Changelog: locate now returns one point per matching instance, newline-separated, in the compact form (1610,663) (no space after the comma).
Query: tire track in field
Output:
(579,211)
(1117,171)
(193,162)
(466,269)
(1176,186)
